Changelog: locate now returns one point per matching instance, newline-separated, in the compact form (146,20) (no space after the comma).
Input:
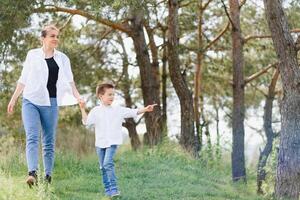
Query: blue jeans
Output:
(34,118)
(107,167)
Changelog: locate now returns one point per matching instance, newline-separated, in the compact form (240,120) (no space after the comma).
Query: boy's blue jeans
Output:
(107,168)
(34,118)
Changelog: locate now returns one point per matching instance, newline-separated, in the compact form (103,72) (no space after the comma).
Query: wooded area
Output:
(216,56)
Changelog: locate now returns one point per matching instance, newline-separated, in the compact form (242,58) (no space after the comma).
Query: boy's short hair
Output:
(102,87)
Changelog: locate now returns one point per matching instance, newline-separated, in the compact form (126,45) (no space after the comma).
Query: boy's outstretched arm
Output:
(148,108)
(83,112)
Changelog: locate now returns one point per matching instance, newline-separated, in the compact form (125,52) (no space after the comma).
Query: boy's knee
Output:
(108,165)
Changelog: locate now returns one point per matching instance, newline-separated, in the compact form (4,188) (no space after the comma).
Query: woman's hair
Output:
(100,90)
(48,28)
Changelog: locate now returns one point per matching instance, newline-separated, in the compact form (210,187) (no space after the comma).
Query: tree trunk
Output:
(187,138)
(149,80)
(238,133)
(218,149)
(198,77)
(288,167)
(164,84)
(125,87)
(134,137)
(205,127)
(155,67)
(263,157)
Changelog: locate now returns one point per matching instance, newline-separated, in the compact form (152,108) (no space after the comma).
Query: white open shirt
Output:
(108,123)
(35,77)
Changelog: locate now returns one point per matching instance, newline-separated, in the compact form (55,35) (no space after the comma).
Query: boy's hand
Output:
(150,108)
(82,104)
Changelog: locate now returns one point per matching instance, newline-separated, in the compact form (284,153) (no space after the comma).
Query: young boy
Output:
(107,120)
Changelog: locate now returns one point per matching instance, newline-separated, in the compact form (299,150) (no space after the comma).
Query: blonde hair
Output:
(48,28)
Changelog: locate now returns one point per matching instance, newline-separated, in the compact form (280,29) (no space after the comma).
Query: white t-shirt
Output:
(35,76)
(108,123)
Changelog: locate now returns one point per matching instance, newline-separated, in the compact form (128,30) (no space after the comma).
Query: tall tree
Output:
(164,77)
(263,156)
(187,137)
(288,167)
(125,86)
(198,75)
(149,78)
(238,132)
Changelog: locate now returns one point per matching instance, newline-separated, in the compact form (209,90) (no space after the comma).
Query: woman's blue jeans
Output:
(36,118)
(107,167)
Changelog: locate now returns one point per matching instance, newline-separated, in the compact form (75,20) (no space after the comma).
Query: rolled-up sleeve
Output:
(91,118)
(25,71)
(128,112)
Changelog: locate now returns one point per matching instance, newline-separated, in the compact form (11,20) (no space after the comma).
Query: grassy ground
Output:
(162,173)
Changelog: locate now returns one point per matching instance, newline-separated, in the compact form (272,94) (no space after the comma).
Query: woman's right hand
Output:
(14,98)
(10,106)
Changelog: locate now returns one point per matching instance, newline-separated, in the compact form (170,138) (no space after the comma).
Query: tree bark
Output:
(288,167)
(187,138)
(198,77)
(155,67)
(263,157)
(238,133)
(164,77)
(125,87)
(149,80)
(217,118)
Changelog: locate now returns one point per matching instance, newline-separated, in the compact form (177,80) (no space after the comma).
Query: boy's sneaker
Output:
(31,179)
(107,192)
(114,192)
(48,179)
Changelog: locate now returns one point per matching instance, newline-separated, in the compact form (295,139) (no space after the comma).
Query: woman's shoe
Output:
(48,179)
(31,179)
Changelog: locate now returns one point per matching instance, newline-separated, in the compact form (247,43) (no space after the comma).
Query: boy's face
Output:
(108,97)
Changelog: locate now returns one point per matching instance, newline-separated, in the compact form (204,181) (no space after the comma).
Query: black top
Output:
(52,77)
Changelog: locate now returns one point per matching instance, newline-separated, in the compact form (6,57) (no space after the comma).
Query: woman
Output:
(46,82)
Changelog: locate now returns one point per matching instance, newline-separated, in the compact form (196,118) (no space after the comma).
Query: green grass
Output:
(162,173)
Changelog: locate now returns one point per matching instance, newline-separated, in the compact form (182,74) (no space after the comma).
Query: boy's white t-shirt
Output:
(108,123)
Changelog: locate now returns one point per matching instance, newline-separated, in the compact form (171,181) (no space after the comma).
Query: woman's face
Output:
(51,40)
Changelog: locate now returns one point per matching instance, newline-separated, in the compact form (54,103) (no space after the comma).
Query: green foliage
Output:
(13,16)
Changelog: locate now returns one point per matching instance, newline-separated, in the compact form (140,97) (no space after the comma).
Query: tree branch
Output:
(206,4)
(118,26)
(66,23)
(181,5)
(217,37)
(250,37)
(228,15)
(259,73)
(153,46)
(258,89)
